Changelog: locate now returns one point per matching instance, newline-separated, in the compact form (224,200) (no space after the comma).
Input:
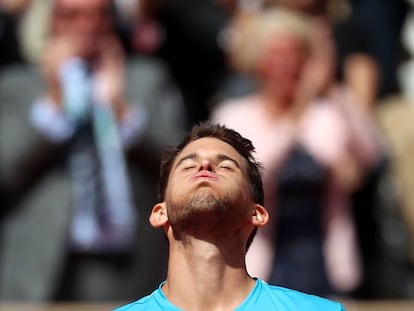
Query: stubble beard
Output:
(202,212)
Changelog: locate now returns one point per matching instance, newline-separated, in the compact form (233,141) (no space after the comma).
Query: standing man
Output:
(76,176)
(212,195)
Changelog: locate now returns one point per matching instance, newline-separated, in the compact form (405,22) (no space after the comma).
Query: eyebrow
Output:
(195,155)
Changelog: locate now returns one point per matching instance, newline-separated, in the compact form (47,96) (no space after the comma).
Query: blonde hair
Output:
(249,34)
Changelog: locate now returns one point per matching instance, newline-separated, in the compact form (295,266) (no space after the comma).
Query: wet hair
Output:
(242,145)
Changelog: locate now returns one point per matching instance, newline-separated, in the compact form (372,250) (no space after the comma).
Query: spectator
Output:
(367,51)
(84,166)
(315,148)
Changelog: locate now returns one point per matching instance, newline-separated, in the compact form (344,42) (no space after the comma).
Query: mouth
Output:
(205,175)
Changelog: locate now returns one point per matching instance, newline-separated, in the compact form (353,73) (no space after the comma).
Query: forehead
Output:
(285,39)
(209,146)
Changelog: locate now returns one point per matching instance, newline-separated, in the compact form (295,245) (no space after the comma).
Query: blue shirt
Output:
(262,297)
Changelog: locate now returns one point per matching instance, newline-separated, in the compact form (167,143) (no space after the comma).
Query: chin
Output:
(88,48)
(203,199)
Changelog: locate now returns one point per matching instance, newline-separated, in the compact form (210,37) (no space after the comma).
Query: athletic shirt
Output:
(262,297)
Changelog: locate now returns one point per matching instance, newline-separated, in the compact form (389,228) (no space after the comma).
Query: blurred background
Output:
(92,91)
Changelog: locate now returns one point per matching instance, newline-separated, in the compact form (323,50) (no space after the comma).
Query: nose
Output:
(206,165)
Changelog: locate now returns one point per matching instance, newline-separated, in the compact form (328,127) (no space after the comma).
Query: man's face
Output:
(84,21)
(208,184)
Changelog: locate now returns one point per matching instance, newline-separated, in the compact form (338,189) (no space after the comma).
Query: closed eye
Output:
(187,163)
(188,167)
(227,165)
(228,168)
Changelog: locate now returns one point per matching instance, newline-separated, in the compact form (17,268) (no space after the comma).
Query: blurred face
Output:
(208,185)
(84,21)
(281,63)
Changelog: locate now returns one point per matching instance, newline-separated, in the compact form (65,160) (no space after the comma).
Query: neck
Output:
(204,276)
(276,107)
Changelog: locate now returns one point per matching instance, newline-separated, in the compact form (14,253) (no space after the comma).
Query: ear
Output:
(159,216)
(260,216)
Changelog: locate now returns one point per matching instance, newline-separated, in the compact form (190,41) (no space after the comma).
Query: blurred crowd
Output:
(92,91)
